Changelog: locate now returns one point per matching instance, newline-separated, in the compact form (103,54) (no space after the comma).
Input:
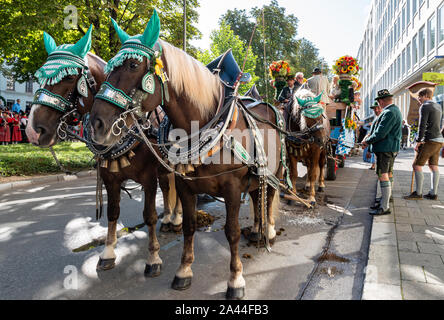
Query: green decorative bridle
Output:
(137,47)
(311,107)
(64,60)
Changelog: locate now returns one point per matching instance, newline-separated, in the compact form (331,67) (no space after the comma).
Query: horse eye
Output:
(70,78)
(133,65)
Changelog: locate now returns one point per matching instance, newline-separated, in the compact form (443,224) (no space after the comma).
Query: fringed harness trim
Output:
(59,64)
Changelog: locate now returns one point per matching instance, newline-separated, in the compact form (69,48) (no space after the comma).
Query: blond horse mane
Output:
(191,78)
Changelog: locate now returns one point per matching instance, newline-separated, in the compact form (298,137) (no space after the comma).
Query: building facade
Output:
(11,90)
(402,40)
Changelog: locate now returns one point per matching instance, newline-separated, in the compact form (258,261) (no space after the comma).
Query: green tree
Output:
(307,58)
(224,39)
(23,23)
(280,36)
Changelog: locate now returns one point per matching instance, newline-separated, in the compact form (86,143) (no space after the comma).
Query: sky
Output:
(335,27)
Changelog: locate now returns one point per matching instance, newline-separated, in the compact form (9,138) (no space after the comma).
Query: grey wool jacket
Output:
(429,126)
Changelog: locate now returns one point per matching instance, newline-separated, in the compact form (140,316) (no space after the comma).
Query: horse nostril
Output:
(41,130)
(98,125)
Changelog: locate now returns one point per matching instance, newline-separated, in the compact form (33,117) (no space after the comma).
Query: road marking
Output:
(73,195)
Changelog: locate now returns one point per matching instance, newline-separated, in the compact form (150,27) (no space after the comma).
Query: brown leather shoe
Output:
(414,196)
(380,212)
(431,196)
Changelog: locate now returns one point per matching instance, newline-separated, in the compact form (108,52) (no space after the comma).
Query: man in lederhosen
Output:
(428,145)
(385,142)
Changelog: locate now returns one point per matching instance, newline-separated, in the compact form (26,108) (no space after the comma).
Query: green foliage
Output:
(26,159)
(224,39)
(23,23)
(281,43)
(307,58)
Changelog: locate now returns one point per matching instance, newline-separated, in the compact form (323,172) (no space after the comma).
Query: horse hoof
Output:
(313,204)
(254,237)
(272,241)
(152,271)
(321,189)
(106,264)
(291,203)
(177,228)
(235,293)
(181,284)
(165,227)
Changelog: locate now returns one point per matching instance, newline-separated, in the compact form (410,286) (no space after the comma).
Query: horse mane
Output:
(97,59)
(191,78)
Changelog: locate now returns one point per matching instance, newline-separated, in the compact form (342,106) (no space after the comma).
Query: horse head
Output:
(134,74)
(148,72)
(65,90)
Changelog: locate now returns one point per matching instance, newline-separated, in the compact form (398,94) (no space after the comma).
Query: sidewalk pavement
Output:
(45,179)
(406,257)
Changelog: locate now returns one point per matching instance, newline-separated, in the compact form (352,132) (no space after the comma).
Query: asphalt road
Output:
(40,226)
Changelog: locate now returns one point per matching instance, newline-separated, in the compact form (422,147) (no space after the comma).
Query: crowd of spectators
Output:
(13,124)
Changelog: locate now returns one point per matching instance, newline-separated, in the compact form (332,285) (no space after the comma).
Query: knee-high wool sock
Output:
(435,182)
(386,191)
(419,176)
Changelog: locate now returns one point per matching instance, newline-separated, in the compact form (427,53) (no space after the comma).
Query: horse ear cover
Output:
(301,102)
(82,47)
(152,31)
(50,44)
(123,36)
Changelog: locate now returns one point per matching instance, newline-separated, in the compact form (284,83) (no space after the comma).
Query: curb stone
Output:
(37,181)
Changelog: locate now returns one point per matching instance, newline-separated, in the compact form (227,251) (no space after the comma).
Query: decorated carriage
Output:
(119,116)
(342,113)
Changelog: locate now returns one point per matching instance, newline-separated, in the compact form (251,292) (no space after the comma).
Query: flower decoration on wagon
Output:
(350,123)
(357,82)
(346,68)
(279,72)
(279,69)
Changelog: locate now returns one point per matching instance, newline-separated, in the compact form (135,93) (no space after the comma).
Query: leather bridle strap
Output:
(52,100)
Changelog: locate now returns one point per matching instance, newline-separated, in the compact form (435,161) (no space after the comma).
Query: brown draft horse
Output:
(42,132)
(194,94)
(312,153)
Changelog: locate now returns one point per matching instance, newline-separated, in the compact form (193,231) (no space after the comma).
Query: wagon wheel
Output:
(331,164)
(341,162)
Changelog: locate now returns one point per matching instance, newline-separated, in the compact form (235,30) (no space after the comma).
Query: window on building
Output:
(441,23)
(399,27)
(407,14)
(431,32)
(399,66)
(414,7)
(403,19)
(29,86)
(10,83)
(414,50)
(408,57)
(10,103)
(28,105)
(403,63)
(421,43)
